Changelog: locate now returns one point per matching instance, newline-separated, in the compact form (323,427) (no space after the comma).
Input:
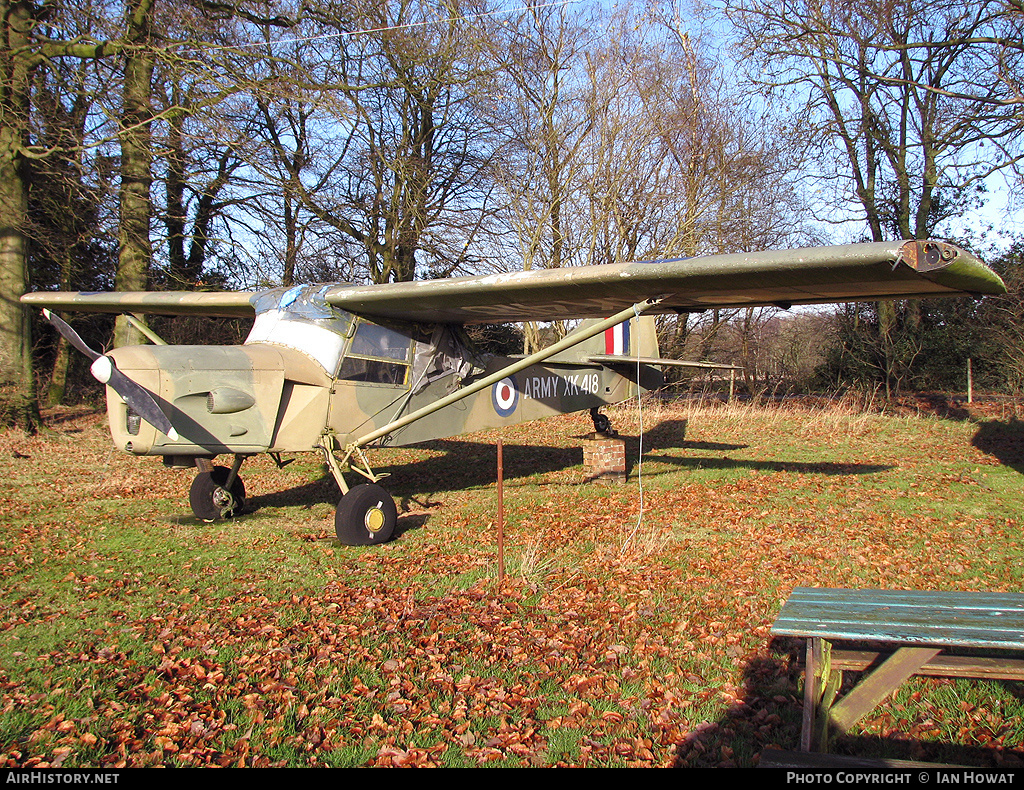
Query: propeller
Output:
(139,399)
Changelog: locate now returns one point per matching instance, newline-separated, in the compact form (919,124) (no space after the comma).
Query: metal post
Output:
(501,517)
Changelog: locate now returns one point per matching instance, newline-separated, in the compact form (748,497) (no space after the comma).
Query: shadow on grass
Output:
(1003,441)
(941,405)
(461,464)
(66,419)
(769,717)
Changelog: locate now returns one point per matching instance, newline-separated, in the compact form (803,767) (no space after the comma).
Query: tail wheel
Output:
(602,424)
(210,500)
(366,515)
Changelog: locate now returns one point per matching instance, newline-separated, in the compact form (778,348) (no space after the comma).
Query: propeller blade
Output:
(139,399)
(70,334)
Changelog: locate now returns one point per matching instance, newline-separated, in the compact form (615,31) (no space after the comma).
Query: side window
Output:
(377,354)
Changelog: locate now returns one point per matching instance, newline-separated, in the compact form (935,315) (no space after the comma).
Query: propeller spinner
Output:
(139,399)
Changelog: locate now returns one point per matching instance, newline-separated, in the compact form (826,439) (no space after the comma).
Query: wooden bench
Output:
(948,634)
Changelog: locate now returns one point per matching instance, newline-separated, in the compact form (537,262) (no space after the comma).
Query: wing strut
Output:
(567,342)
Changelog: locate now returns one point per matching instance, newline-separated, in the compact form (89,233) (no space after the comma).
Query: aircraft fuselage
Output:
(307,370)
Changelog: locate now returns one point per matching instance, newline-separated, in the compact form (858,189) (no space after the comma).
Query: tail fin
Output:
(637,337)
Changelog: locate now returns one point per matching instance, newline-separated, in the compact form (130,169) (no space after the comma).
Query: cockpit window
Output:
(372,340)
(377,354)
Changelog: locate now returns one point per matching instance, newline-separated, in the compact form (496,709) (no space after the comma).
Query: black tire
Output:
(366,516)
(209,499)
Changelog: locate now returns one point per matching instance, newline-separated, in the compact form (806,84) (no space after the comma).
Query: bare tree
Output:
(191,82)
(30,36)
(549,111)
(406,185)
(69,246)
(134,133)
(905,107)
(299,131)
(731,181)
(198,158)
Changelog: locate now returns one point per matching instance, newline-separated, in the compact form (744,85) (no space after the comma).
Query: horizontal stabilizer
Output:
(615,359)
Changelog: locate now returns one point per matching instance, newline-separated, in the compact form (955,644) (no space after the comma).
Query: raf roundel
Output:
(505,396)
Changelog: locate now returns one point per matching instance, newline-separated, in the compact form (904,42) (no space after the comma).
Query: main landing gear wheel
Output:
(210,500)
(366,516)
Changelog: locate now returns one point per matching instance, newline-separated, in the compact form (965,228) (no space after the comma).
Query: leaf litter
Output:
(130,636)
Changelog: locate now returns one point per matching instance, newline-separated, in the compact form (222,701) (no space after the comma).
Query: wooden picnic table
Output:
(948,634)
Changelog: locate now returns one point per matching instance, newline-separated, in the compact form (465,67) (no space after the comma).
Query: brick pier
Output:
(604,458)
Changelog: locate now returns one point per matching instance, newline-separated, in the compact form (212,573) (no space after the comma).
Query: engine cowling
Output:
(220,399)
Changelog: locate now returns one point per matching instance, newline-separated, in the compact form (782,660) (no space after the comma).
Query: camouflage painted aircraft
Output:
(337,368)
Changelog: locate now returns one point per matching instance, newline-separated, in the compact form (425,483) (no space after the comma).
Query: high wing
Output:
(854,272)
(217,304)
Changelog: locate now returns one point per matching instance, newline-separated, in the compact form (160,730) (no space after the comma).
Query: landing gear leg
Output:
(366,514)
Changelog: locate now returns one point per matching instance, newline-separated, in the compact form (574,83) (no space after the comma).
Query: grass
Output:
(631,628)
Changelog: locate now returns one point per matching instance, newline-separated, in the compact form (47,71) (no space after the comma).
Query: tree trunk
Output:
(17,384)
(291,240)
(176,214)
(136,169)
(58,385)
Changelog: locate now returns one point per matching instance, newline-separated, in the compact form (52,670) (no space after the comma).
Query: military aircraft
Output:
(336,368)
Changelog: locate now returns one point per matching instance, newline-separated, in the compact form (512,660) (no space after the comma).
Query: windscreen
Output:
(300,318)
